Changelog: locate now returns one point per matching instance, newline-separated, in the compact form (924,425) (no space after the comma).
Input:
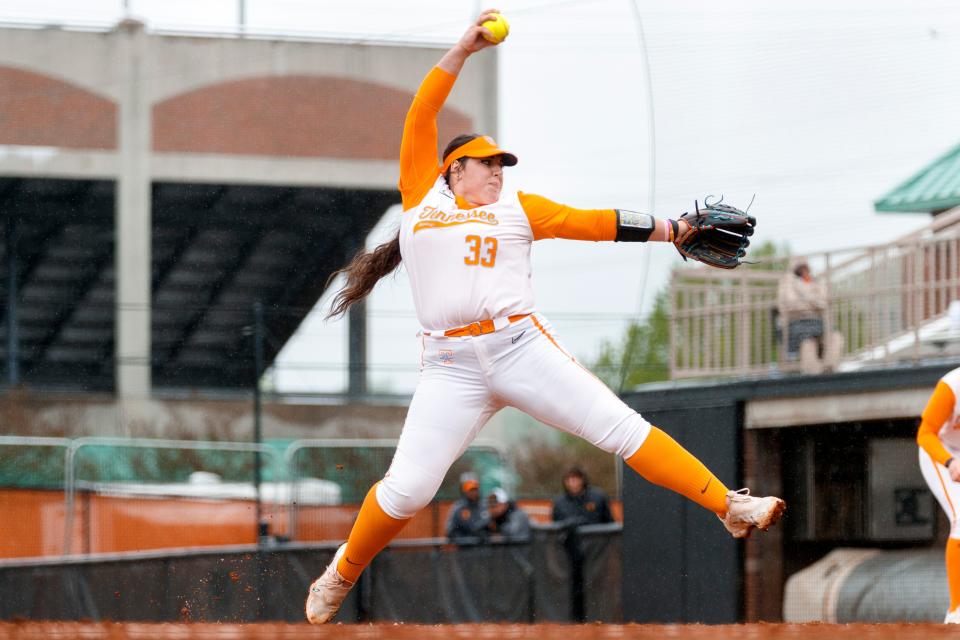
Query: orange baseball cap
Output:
(479,147)
(466,485)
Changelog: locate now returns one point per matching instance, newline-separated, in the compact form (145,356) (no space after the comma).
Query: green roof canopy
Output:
(935,188)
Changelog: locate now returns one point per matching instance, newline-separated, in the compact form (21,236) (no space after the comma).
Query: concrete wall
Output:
(44,414)
(255,102)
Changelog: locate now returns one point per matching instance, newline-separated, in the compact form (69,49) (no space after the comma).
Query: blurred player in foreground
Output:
(466,248)
(939,440)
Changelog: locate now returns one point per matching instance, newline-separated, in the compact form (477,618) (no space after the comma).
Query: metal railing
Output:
(118,492)
(356,465)
(176,466)
(885,303)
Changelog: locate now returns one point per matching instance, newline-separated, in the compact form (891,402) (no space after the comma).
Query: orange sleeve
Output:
(418,149)
(550,219)
(938,411)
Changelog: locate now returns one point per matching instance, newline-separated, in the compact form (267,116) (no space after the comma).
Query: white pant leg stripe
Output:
(943,489)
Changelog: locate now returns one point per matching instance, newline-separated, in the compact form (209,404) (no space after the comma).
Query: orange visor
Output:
(479,147)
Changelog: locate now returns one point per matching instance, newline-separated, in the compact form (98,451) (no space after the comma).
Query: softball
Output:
(499,27)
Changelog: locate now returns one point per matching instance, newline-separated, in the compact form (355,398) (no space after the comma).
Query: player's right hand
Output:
(473,40)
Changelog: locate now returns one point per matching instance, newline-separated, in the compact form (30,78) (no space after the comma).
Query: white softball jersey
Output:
(466,265)
(950,431)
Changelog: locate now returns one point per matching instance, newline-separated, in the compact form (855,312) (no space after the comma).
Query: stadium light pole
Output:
(626,362)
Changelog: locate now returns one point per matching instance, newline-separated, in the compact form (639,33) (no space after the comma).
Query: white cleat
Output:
(746,513)
(327,592)
(953,617)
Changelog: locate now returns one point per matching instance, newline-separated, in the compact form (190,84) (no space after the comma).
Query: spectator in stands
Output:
(801,303)
(467,521)
(505,518)
(580,503)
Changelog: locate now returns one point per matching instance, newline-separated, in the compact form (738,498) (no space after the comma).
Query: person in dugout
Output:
(580,503)
(467,522)
(505,520)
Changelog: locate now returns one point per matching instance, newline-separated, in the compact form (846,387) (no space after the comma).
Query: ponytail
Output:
(366,268)
(363,273)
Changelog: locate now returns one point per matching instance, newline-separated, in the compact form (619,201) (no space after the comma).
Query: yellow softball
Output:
(499,27)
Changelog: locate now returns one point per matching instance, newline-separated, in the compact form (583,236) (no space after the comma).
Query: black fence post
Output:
(572,545)
(12,297)
(262,528)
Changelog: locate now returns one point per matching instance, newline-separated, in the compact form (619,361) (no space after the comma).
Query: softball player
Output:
(466,248)
(939,440)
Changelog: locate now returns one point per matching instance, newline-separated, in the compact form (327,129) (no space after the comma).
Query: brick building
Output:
(154,187)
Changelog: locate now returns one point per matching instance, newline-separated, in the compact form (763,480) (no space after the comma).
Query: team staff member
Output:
(466,249)
(505,520)
(939,440)
(467,520)
(580,502)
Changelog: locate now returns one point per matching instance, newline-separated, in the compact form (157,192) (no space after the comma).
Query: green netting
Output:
(113,463)
(32,466)
(355,469)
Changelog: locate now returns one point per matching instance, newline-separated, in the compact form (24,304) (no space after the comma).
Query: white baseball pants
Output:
(464,381)
(945,490)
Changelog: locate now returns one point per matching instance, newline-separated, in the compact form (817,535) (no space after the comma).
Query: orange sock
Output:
(953,571)
(661,460)
(372,531)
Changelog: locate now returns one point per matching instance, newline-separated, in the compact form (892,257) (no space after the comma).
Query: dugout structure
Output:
(840,448)
(154,187)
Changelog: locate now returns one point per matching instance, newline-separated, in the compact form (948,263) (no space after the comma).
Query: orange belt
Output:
(479,328)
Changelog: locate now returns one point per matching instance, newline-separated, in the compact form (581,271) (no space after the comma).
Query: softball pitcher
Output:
(466,248)
(939,440)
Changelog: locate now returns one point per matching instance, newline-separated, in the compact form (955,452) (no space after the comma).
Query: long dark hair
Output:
(363,273)
(367,267)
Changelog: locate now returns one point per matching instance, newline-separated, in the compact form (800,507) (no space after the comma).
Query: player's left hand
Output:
(954,470)
(684,232)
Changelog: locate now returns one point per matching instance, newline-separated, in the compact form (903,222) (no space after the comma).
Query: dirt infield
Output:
(272,631)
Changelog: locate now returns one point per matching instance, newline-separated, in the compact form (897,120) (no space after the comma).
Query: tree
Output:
(643,354)
(770,257)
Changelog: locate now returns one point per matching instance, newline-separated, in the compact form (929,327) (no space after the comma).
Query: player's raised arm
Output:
(418,147)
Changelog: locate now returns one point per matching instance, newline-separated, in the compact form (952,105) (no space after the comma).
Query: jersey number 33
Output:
(480,251)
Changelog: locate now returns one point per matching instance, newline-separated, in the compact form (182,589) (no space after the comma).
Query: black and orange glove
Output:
(719,235)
